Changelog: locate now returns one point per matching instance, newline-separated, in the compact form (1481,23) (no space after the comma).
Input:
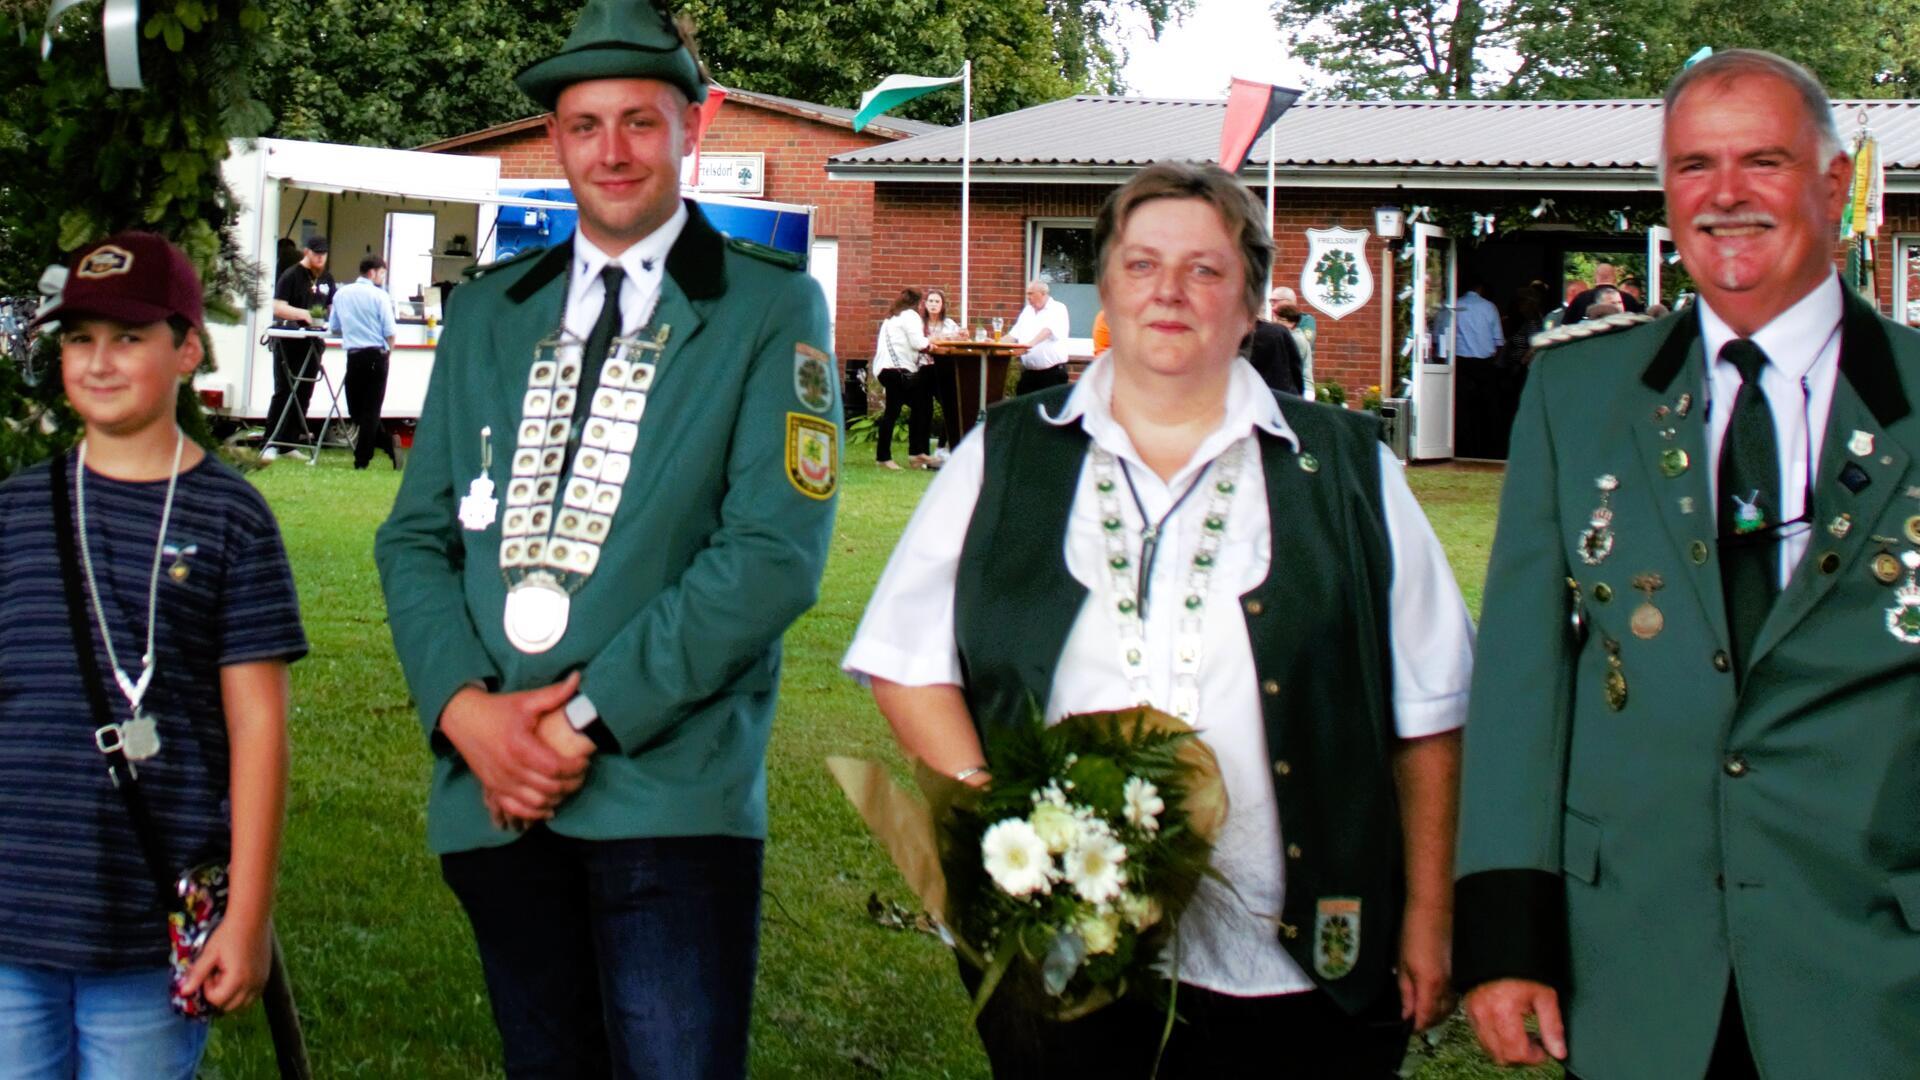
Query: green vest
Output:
(1318,626)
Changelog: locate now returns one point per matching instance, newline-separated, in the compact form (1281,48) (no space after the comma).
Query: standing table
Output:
(979,373)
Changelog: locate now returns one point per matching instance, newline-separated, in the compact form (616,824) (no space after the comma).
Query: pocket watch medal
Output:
(553,529)
(1903,618)
(1648,620)
(1596,543)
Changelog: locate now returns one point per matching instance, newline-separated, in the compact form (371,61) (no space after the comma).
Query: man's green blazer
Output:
(1638,852)
(716,547)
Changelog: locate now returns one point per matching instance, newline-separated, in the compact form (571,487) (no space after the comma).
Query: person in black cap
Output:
(301,300)
(595,657)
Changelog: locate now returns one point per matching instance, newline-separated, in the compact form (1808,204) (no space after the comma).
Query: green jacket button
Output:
(1293,851)
(1699,552)
(1603,592)
(1721,661)
(1255,607)
(1271,687)
(1736,766)
(1283,768)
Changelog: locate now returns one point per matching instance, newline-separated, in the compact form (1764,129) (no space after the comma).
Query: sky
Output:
(1195,59)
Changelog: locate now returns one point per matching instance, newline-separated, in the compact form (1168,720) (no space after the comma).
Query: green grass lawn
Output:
(381,956)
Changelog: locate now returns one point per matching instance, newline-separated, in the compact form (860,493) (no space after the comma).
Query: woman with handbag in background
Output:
(896,361)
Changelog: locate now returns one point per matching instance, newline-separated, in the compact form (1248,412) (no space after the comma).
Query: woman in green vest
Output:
(1169,531)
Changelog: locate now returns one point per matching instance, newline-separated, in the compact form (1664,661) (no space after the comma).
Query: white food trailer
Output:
(429,215)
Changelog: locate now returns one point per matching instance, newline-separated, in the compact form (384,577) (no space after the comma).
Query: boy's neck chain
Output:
(134,690)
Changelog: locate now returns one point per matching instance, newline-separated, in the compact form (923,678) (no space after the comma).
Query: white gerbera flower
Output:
(1144,805)
(1093,866)
(1016,858)
(1055,825)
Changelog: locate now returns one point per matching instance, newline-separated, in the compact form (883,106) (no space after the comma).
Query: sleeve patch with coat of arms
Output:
(813,455)
(812,377)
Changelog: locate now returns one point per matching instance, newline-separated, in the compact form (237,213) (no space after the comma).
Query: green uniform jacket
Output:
(1638,857)
(714,551)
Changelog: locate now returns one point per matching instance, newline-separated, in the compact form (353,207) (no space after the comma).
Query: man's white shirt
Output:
(1051,352)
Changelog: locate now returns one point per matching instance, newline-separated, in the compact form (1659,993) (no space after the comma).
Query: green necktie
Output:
(599,343)
(1749,510)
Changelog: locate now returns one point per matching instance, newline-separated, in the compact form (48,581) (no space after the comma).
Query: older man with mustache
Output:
(1691,827)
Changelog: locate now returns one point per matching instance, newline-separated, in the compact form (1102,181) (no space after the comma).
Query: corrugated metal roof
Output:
(1096,131)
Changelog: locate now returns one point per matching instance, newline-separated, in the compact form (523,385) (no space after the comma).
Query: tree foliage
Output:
(1523,49)
(79,160)
(408,72)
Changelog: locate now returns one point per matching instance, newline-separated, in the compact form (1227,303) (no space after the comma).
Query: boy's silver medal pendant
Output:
(140,737)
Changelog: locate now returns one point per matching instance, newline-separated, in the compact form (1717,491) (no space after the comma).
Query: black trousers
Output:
(1217,1037)
(366,390)
(946,390)
(296,367)
(1032,379)
(914,392)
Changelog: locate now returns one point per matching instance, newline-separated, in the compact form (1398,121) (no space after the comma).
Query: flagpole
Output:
(966,189)
(1273,151)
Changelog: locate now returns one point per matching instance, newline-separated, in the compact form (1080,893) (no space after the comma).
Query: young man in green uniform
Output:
(1691,828)
(621,496)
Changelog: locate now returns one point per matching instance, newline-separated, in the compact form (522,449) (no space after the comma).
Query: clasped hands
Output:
(521,747)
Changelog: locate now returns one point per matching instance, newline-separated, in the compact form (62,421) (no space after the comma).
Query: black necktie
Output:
(599,343)
(1749,510)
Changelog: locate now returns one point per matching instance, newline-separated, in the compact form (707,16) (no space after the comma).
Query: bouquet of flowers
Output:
(1064,880)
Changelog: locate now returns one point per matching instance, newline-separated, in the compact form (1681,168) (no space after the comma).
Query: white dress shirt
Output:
(1227,942)
(645,264)
(1802,345)
(902,343)
(1051,352)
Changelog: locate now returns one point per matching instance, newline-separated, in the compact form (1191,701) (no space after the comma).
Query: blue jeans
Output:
(56,1025)
(629,958)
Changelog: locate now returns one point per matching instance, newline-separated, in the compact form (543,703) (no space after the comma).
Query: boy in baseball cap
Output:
(167,673)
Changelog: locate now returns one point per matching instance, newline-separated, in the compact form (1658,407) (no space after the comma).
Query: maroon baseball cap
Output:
(130,277)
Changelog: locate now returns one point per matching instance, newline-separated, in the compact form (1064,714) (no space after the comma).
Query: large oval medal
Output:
(536,613)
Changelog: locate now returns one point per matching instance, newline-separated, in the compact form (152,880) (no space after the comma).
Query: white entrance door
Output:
(1433,308)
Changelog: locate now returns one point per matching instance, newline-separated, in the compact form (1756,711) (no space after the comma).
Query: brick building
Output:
(1576,176)
(796,139)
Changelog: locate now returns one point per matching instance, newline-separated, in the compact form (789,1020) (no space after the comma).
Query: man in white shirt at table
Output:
(1043,325)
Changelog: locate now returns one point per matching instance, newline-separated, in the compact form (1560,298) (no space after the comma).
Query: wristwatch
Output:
(585,719)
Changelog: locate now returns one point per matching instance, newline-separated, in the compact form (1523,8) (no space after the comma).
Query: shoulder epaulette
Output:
(786,260)
(518,256)
(1605,324)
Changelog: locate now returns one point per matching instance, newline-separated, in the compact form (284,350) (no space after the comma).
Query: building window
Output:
(1060,253)
(1906,279)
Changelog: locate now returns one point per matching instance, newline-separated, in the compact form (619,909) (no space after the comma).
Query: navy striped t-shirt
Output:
(76,893)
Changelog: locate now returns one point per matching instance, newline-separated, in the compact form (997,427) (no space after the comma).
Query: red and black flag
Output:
(1251,109)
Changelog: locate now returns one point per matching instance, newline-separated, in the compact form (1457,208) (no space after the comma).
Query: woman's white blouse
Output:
(902,339)
(1227,941)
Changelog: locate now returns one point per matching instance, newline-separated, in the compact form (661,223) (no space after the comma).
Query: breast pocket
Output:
(1580,847)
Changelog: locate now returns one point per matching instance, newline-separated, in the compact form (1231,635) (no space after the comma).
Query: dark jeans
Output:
(1216,1036)
(295,369)
(913,392)
(1032,379)
(628,958)
(366,391)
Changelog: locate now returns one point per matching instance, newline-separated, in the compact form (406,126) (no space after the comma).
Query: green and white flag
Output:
(895,91)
